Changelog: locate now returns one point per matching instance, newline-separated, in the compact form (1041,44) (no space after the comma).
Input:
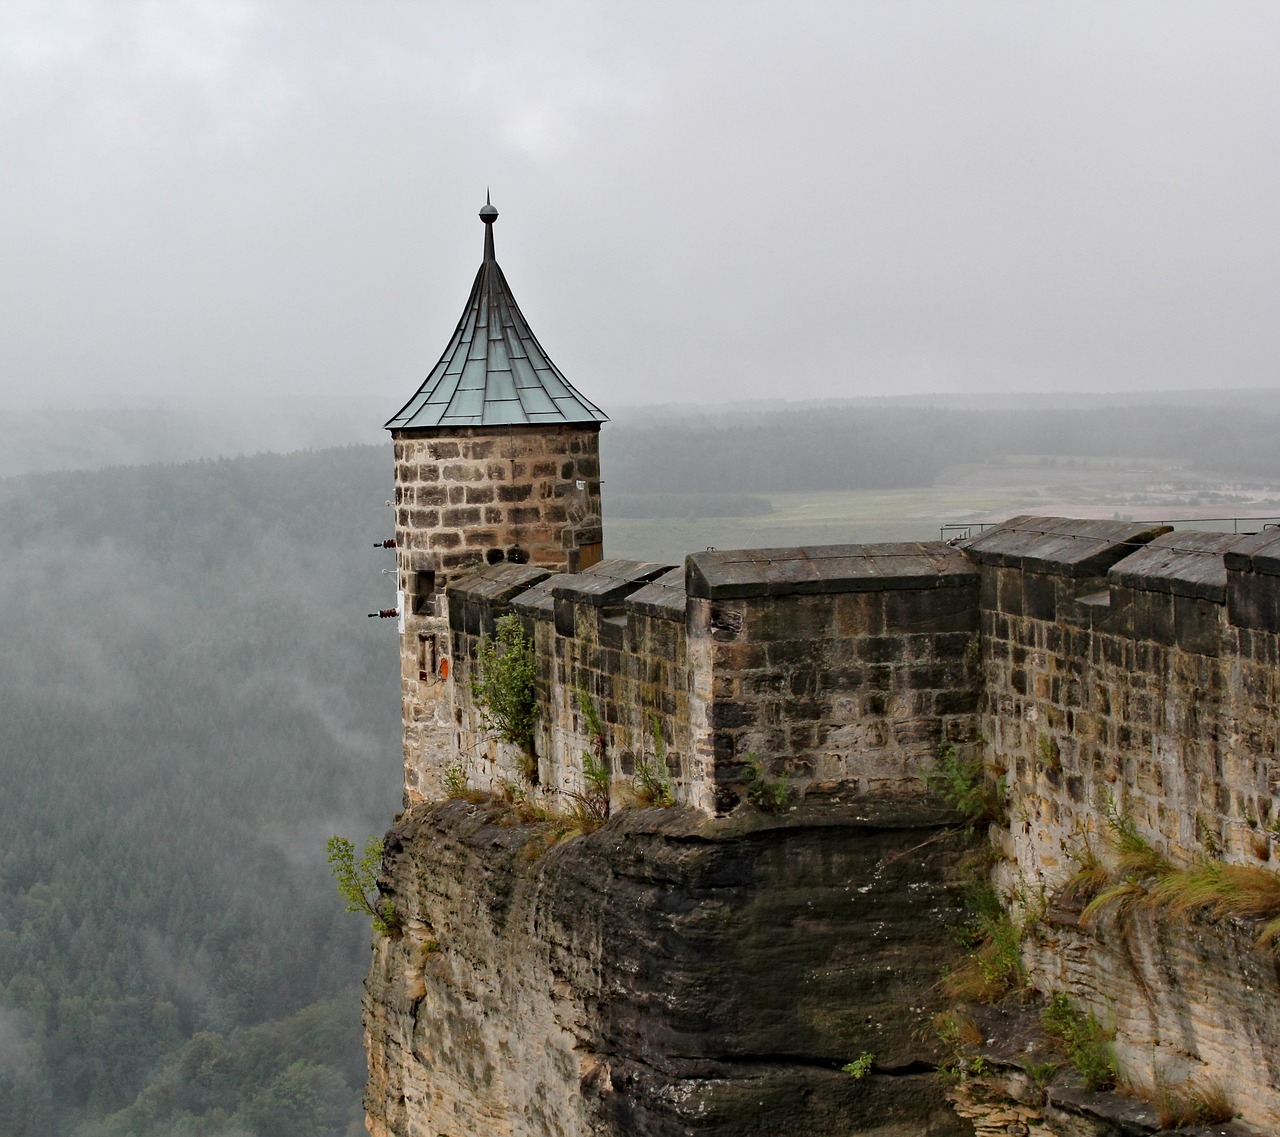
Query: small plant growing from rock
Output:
(651,783)
(589,807)
(963,784)
(457,786)
(764,792)
(591,719)
(358,882)
(860,1067)
(504,684)
(1083,1041)
(994,967)
(1050,753)
(1219,890)
(1136,863)
(1091,875)
(455,782)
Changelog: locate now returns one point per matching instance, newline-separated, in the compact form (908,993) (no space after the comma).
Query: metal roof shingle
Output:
(494,372)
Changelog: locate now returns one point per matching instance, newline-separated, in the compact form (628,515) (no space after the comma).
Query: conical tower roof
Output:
(494,372)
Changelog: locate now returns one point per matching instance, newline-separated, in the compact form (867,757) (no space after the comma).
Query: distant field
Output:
(819,518)
(1089,487)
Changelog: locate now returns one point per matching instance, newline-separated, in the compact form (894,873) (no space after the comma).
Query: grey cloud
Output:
(711,201)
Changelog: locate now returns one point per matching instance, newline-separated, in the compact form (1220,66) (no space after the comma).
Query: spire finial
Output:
(488,215)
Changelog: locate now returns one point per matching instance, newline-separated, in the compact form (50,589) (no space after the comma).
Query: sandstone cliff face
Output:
(669,974)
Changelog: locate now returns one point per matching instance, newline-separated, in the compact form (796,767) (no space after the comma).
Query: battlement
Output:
(1084,658)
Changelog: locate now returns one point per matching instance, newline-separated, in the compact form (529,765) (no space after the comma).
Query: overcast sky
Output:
(699,201)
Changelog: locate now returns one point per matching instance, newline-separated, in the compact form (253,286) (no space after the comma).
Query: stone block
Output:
(611,628)
(1198,625)
(1067,546)
(1009,591)
(461,472)
(564,617)
(459,518)
(1039,596)
(1253,601)
(1152,618)
(826,569)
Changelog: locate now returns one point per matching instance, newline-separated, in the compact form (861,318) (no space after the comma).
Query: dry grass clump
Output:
(458,788)
(957,1028)
(1222,891)
(1141,875)
(1136,862)
(1189,1103)
(1090,878)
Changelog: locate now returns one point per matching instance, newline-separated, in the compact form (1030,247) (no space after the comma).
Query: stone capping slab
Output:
(539,601)
(1257,552)
(1062,546)
(496,584)
(607,582)
(741,573)
(663,597)
(1185,563)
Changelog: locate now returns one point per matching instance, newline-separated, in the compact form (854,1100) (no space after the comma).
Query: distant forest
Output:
(194,700)
(839,448)
(740,448)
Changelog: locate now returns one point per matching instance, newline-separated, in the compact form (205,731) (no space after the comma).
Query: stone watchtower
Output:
(497,459)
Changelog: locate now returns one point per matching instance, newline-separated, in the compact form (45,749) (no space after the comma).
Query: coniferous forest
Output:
(192,700)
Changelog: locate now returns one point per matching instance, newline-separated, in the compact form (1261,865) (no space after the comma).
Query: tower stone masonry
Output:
(497,458)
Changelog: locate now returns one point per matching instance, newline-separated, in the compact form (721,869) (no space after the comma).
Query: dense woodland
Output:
(891,446)
(194,700)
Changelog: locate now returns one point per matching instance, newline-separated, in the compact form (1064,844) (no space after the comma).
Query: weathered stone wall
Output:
(845,668)
(465,497)
(613,636)
(842,669)
(1189,1000)
(1130,684)
(1119,679)
(666,975)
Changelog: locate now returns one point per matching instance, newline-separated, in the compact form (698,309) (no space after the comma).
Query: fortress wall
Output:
(844,669)
(1090,662)
(1113,673)
(1119,676)
(614,636)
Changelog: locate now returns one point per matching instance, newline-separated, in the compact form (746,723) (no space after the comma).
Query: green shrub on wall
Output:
(504,683)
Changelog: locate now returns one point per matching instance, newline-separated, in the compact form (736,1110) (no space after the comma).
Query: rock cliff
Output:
(668,974)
